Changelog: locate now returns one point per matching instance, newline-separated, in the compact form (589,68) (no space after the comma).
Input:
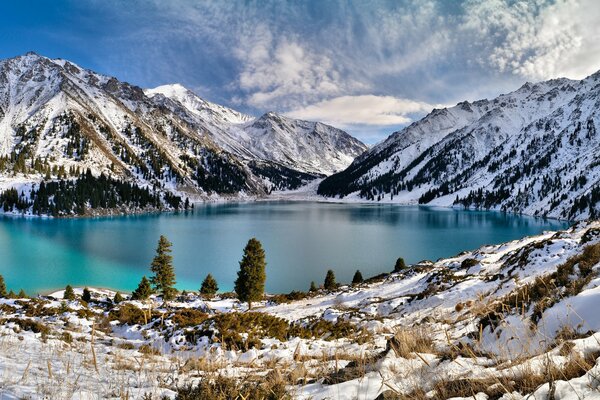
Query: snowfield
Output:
(512,321)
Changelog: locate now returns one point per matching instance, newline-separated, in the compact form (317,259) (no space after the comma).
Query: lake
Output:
(301,239)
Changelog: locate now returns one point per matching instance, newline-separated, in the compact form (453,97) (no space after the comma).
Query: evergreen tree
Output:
(143,291)
(209,287)
(22,294)
(313,287)
(358,278)
(400,265)
(330,283)
(250,283)
(118,298)
(11,295)
(163,279)
(2,287)
(69,293)
(86,295)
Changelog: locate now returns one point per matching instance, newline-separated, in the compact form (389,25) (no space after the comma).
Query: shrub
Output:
(225,388)
(468,263)
(209,287)
(128,314)
(69,294)
(400,265)
(330,283)
(188,317)
(86,295)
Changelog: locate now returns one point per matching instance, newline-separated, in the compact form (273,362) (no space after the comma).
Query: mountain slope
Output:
(310,147)
(532,151)
(57,120)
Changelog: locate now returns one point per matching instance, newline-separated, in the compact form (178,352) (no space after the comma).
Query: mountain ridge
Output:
(56,115)
(524,152)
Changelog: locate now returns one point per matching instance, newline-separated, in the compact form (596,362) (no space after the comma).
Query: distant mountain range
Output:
(57,118)
(535,151)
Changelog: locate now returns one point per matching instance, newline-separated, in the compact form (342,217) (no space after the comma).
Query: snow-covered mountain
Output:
(310,147)
(532,151)
(57,118)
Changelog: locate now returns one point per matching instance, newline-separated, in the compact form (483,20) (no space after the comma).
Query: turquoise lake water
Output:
(301,239)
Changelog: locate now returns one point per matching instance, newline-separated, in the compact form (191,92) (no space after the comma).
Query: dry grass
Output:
(406,342)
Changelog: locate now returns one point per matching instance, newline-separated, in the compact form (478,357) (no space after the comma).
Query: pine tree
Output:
(143,291)
(69,294)
(250,283)
(209,287)
(22,294)
(2,287)
(118,298)
(330,283)
(400,265)
(163,279)
(313,287)
(86,295)
(11,295)
(358,278)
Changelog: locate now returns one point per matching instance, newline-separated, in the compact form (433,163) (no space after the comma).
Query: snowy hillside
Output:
(510,321)
(57,120)
(532,151)
(310,147)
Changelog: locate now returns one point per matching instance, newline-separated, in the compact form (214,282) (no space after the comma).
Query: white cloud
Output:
(283,72)
(538,39)
(362,110)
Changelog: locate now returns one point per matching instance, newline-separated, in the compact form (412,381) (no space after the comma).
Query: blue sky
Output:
(369,67)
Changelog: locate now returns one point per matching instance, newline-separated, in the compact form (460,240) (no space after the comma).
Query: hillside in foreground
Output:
(503,321)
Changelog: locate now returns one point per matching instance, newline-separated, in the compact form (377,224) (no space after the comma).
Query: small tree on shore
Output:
(86,295)
(313,287)
(69,294)
(330,283)
(358,278)
(118,298)
(250,283)
(400,265)
(163,279)
(3,292)
(143,291)
(209,287)
(22,294)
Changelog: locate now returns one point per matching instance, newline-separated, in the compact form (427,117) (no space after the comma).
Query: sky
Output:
(368,67)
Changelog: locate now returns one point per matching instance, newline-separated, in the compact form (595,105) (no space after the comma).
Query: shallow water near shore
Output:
(301,239)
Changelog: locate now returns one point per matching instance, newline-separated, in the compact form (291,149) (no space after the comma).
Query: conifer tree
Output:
(250,283)
(118,298)
(86,295)
(143,291)
(11,295)
(69,294)
(22,294)
(358,278)
(209,287)
(313,287)
(163,279)
(2,287)
(330,283)
(400,265)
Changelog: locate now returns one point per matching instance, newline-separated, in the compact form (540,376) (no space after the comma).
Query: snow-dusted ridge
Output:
(532,151)
(55,114)
(470,328)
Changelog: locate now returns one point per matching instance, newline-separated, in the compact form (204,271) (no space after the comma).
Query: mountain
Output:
(311,147)
(532,151)
(57,120)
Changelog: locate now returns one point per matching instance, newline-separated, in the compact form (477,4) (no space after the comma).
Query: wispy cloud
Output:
(362,110)
(350,63)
